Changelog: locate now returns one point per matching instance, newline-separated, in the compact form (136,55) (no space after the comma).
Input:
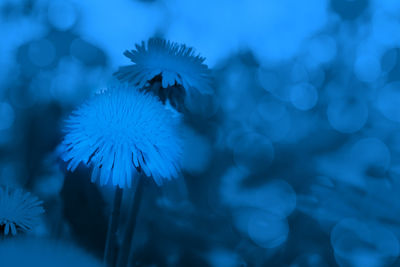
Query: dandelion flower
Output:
(122,132)
(19,211)
(177,64)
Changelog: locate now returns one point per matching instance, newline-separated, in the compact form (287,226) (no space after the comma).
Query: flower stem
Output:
(126,247)
(111,246)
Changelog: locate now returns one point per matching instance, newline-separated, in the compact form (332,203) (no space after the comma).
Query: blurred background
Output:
(294,161)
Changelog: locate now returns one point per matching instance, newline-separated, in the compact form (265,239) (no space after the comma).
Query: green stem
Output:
(111,241)
(130,228)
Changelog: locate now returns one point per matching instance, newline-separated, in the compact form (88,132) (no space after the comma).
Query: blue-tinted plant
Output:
(121,133)
(172,72)
(177,67)
(19,210)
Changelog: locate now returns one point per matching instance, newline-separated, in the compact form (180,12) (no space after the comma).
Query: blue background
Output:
(293,161)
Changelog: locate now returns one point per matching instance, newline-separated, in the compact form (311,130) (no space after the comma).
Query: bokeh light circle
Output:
(367,67)
(61,14)
(360,243)
(388,101)
(266,230)
(271,109)
(322,49)
(347,115)
(277,197)
(303,96)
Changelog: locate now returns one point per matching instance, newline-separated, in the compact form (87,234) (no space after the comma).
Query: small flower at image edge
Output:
(176,63)
(19,210)
(120,133)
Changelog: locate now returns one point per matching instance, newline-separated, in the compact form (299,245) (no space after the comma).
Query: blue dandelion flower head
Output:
(121,133)
(175,63)
(19,210)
